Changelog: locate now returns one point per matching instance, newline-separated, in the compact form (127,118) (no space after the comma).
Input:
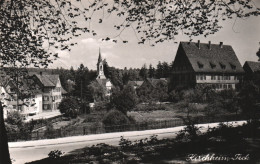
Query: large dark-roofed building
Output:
(252,72)
(206,63)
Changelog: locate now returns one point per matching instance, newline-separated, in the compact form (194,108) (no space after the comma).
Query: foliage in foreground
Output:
(222,140)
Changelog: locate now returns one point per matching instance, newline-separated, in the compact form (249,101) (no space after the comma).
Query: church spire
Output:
(100,68)
(99,56)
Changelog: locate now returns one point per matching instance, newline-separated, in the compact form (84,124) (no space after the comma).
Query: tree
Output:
(144,72)
(161,20)
(248,98)
(115,118)
(31,32)
(166,70)
(258,54)
(4,151)
(97,91)
(151,71)
(69,107)
(124,100)
(159,70)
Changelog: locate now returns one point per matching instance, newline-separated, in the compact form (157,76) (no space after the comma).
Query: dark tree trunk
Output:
(4,151)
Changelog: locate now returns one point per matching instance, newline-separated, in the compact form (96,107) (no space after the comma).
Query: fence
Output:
(86,130)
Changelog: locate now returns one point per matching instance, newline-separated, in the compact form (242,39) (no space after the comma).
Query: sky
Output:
(242,35)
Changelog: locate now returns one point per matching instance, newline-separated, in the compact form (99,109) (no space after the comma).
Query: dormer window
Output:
(200,64)
(212,65)
(232,66)
(223,66)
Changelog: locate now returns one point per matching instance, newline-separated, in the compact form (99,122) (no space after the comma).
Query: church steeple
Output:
(99,56)
(100,68)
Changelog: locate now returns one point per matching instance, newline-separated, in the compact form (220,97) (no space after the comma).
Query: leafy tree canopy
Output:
(159,20)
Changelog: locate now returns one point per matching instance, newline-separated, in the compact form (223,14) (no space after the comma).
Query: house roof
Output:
(154,82)
(48,80)
(63,91)
(136,83)
(254,66)
(216,58)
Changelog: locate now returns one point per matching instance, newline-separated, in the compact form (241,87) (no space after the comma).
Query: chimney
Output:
(199,44)
(221,44)
(210,45)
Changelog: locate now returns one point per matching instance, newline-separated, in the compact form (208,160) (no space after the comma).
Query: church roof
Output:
(102,82)
(205,57)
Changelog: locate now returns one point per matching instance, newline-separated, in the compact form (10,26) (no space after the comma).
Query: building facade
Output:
(27,103)
(51,91)
(206,64)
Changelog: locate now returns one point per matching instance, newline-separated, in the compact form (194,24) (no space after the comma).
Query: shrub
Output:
(115,117)
(14,118)
(49,132)
(125,144)
(84,107)
(69,107)
(55,154)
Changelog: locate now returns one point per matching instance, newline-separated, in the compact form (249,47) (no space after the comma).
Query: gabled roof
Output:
(48,80)
(216,58)
(154,82)
(136,83)
(254,66)
(102,82)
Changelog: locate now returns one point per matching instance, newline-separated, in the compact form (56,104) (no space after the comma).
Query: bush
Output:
(55,154)
(84,107)
(69,107)
(49,132)
(14,118)
(115,117)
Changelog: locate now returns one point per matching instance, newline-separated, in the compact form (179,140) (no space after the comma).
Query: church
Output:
(101,78)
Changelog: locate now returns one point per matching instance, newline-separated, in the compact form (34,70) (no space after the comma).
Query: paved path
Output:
(28,151)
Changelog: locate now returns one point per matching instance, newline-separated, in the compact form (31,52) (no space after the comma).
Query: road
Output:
(22,152)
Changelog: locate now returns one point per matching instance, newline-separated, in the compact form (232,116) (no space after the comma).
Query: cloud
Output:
(63,54)
(96,43)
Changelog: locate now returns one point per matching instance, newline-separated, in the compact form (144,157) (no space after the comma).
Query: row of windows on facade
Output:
(57,89)
(48,106)
(216,77)
(213,65)
(203,77)
(222,86)
(47,98)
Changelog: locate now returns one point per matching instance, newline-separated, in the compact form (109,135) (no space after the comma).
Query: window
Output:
(46,106)
(212,65)
(225,86)
(233,66)
(223,66)
(229,86)
(200,64)
(213,77)
(46,98)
